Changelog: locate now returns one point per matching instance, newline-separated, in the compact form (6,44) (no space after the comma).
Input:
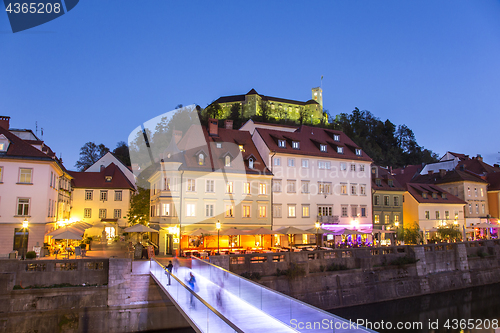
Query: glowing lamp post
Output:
(217,226)
(397,228)
(25,226)
(317,226)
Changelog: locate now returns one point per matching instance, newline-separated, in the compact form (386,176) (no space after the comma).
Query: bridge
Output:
(226,302)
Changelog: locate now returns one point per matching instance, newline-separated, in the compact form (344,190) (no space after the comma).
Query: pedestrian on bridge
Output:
(169,271)
(192,284)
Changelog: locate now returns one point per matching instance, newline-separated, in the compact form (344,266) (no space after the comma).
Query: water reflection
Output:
(477,308)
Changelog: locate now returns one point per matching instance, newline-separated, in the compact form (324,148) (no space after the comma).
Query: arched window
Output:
(250,163)
(227,161)
(201,159)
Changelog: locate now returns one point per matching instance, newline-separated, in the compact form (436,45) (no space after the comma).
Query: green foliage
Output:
(89,154)
(410,233)
(214,110)
(482,254)
(30,255)
(451,233)
(121,152)
(139,207)
(292,272)
(264,112)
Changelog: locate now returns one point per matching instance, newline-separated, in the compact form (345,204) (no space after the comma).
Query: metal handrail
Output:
(277,292)
(211,308)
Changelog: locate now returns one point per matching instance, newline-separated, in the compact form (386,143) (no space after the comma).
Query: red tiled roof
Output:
(384,175)
(406,174)
(449,177)
(98,179)
(460,156)
(477,166)
(310,138)
(417,190)
(21,148)
(494,180)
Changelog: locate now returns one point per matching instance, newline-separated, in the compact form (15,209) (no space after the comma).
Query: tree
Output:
(235,115)
(410,233)
(122,153)
(451,233)
(214,110)
(89,154)
(139,207)
(264,111)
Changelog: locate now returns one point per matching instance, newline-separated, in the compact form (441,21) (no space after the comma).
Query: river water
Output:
(468,310)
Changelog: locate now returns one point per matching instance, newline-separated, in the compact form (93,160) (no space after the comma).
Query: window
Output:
(447,215)
(209,210)
(50,207)
(482,193)
(353,167)
(51,178)
(295,145)
(427,215)
(262,188)
(87,213)
(117,214)
(343,189)
(277,161)
(201,159)
(152,211)
(378,182)
(424,195)
(475,191)
(262,211)
(363,211)
(25,176)
(354,188)
(291,162)
(325,210)
(470,208)
(218,145)
(89,194)
(229,211)
(361,167)
(387,219)
(229,187)
(250,163)
(336,137)
(468,191)
(191,185)
(305,163)
(340,150)
(304,186)
(396,201)
(104,196)
(386,200)
(343,166)
(434,195)
(376,200)
(191,209)
(396,218)
(322,148)
(282,143)
(241,148)
(358,152)
(376,219)
(277,211)
(324,188)
(246,211)
(437,214)
(362,189)
(344,211)
(210,186)
(477,209)
(290,186)
(118,195)
(102,213)
(291,210)
(456,215)
(354,211)
(277,185)
(483,208)
(1,174)
(390,182)
(246,187)
(166,209)
(227,161)
(305,211)
(324,165)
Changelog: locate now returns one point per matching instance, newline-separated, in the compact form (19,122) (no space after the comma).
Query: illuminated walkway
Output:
(226,302)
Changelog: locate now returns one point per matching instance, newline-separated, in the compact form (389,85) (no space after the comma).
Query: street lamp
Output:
(25,226)
(217,226)
(317,226)
(397,228)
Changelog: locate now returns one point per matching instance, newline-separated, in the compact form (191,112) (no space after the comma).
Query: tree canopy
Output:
(89,154)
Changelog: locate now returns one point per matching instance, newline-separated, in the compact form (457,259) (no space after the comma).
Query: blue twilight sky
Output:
(105,67)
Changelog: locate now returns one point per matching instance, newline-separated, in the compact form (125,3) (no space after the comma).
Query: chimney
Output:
(177,136)
(442,172)
(213,127)
(4,122)
(228,124)
(102,168)
(479,157)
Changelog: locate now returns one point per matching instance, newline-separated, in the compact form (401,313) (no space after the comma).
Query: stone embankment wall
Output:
(370,277)
(118,296)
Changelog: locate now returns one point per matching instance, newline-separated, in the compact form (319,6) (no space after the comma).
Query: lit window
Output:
(376,218)
(396,218)
(250,163)
(229,211)
(322,148)
(482,193)
(447,215)
(262,211)
(166,209)
(295,145)
(241,147)
(201,159)
(340,150)
(191,185)
(343,189)
(324,165)
(218,145)
(362,189)
(191,210)
(336,137)
(227,161)
(291,211)
(262,188)
(246,211)
(23,206)
(25,176)
(358,152)
(305,211)
(246,187)
(282,143)
(387,219)
(229,187)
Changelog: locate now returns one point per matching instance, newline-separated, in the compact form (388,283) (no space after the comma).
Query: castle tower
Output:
(317,95)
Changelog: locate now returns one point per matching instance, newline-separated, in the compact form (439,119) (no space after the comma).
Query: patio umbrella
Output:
(234,232)
(262,231)
(68,234)
(319,231)
(77,231)
(291,231)
(139,228)
(485,225)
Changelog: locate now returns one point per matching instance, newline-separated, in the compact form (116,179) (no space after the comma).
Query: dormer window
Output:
(322,148)
(336,137)
(424,195)
(390,182)
(241,147)
(358,152)
(201,159)
(434,196)
(218,145)
(250,163)
(3,147)
(295,144)
(4,143)
(108,178)
(378,182)
(227,161)
(340,150)
(282,143)
(443,195)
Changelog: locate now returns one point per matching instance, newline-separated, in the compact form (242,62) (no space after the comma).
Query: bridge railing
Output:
(198,312)
(284,308)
